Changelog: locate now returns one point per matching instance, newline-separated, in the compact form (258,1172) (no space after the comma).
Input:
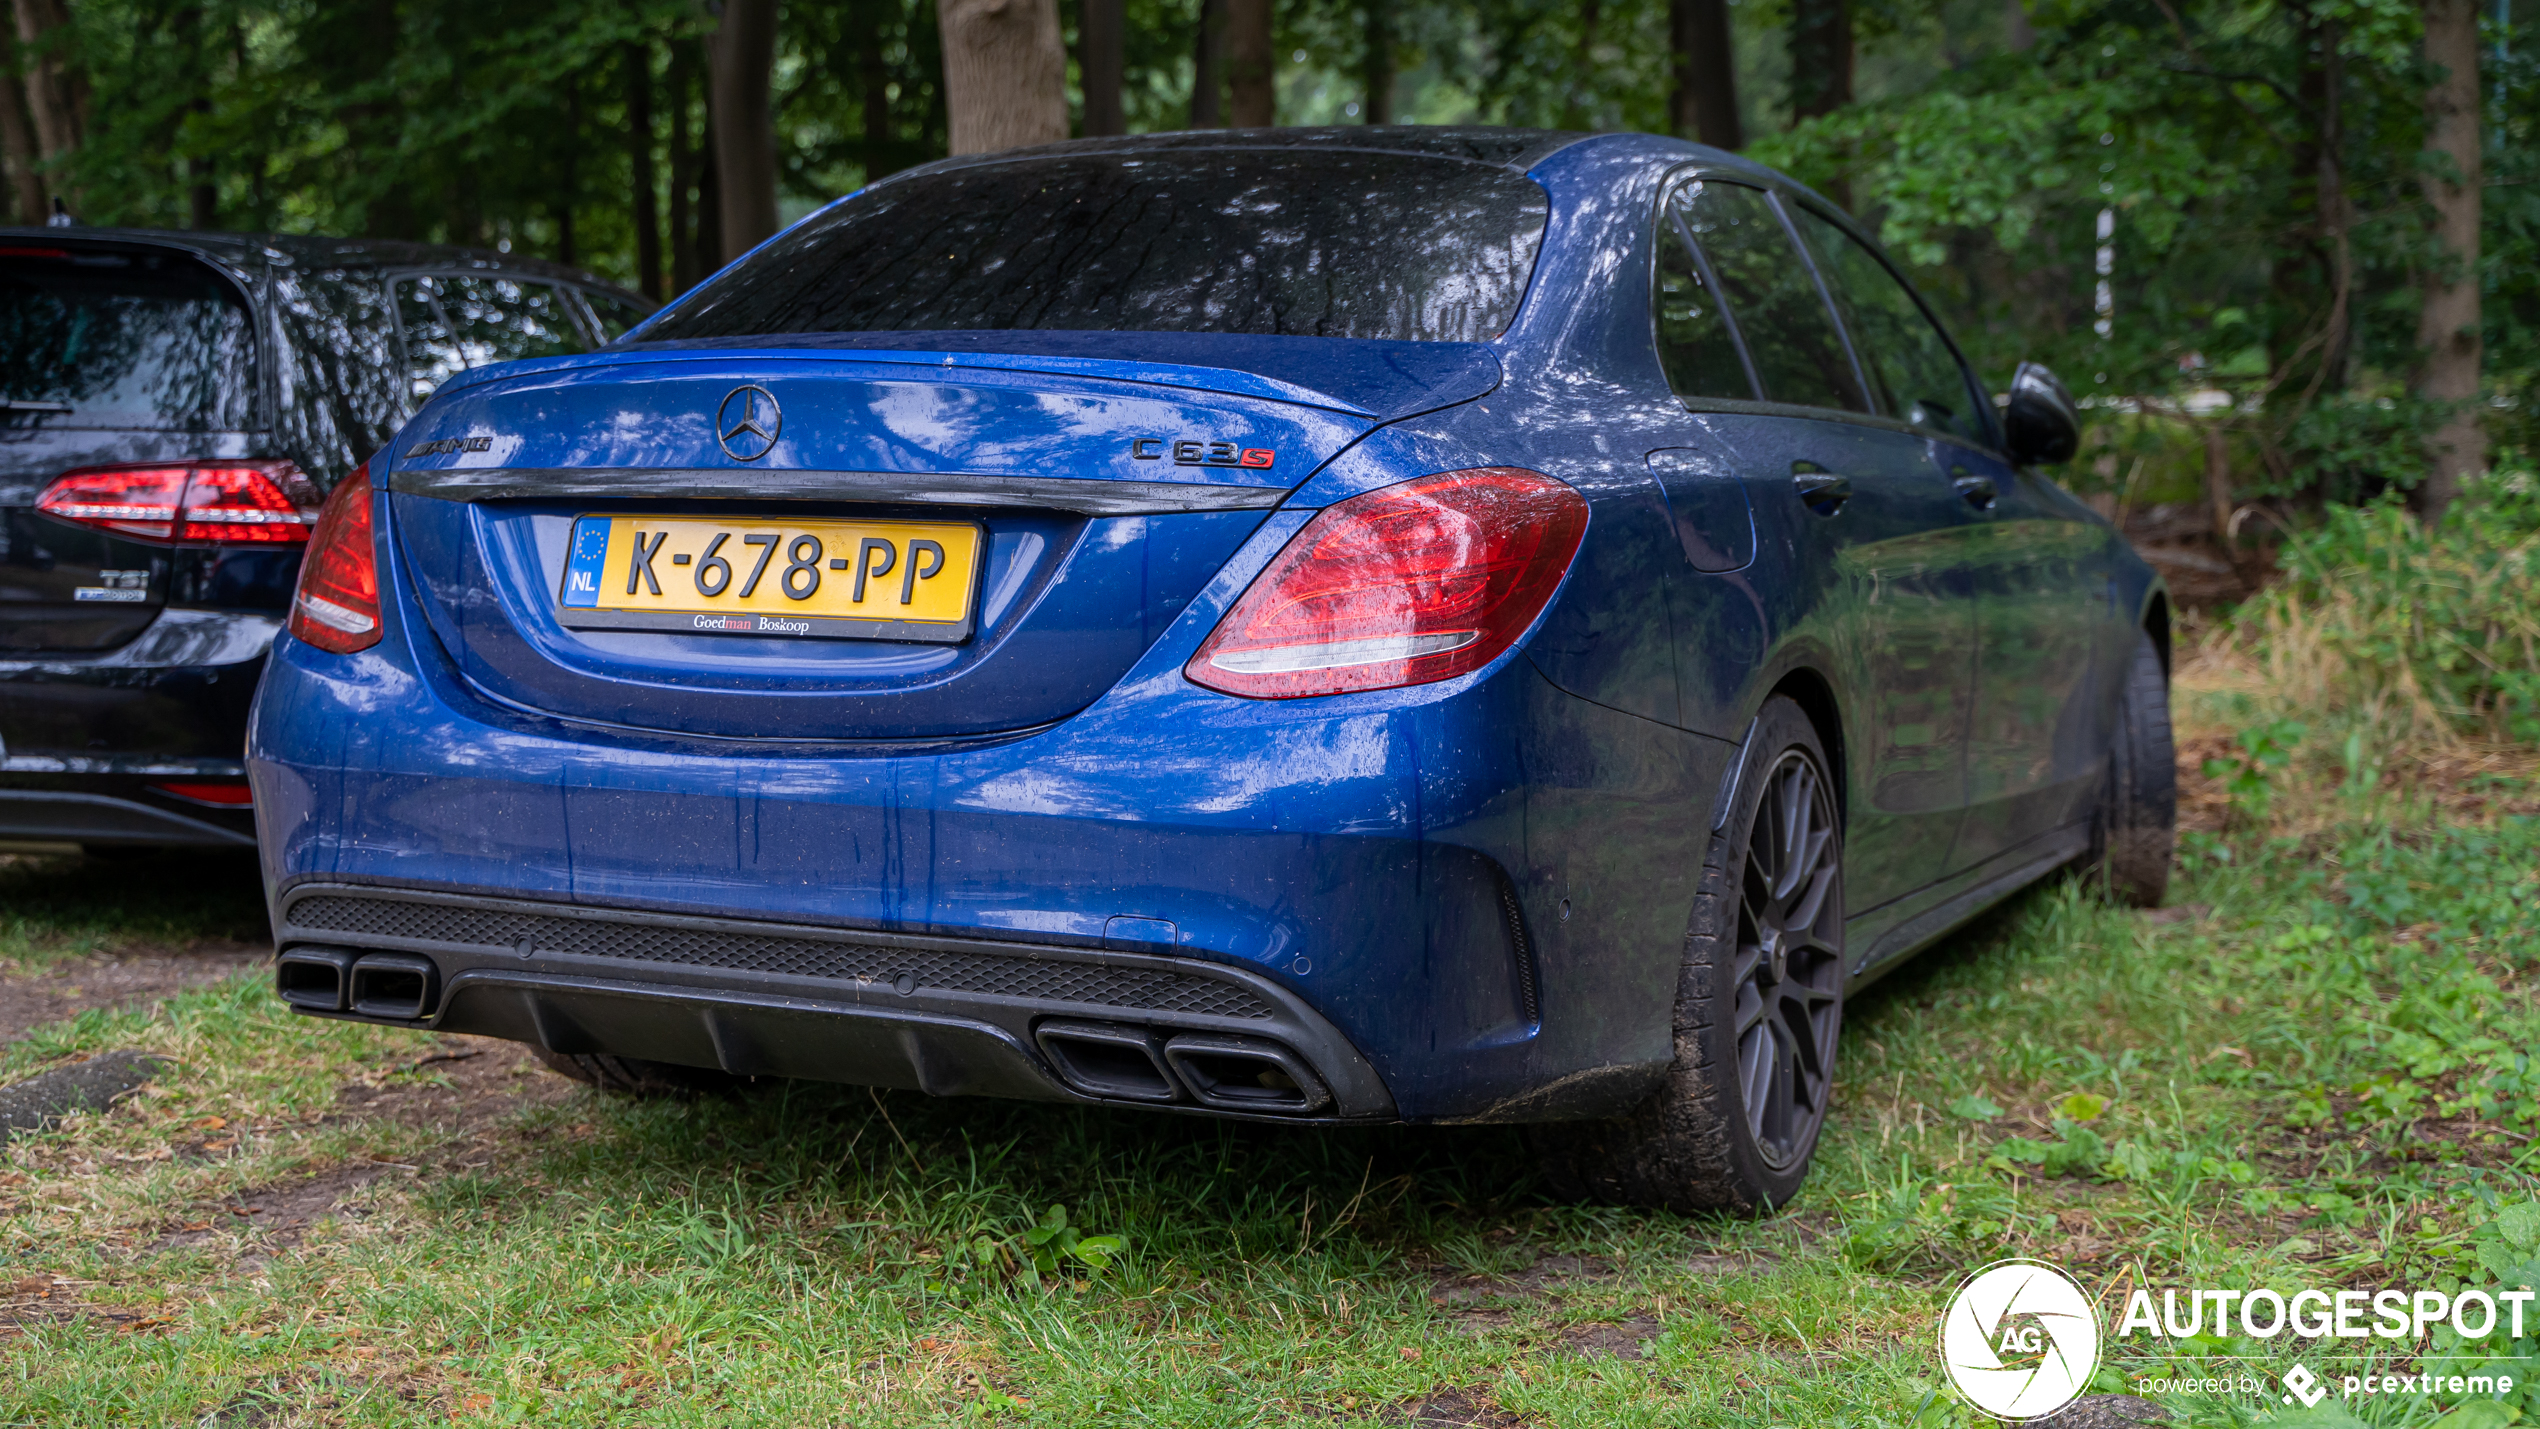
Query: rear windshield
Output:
(1320,244)
(107,339)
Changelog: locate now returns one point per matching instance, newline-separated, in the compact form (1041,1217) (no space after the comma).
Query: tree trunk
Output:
(1005,73)
(710,250)
(683,172)
(49,86)
(876,138)
(1375,68)
(354,37)
(2218,503)
(638,60)
(2019,34)
(1703,104)
(1820,57)
(569,193)
(1101,28)
(1252,102)
(2334,218)
(740,59)
(1208,67)
(17,142)
(2448,325)
(202,191)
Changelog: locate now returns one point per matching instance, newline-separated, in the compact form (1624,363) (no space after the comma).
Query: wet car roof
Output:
(305,251)
(1473,143)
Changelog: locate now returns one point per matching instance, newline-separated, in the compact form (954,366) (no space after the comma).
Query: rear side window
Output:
(455,321)
(1695,342)
(613,313)
(156,341)
(1916,375)
(1324,244)
(1790,334)
(341,392)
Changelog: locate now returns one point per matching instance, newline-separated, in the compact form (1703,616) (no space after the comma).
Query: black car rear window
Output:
(1317,243)
(123,339)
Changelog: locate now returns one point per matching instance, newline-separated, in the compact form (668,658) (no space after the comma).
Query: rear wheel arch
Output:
(1814,694)
(2156,623)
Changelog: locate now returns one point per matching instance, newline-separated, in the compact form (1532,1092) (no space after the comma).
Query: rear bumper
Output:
(87,741)
(120,810)
(941,1015)
(1473,889)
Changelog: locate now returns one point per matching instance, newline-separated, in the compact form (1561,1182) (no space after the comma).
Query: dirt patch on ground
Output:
(1626,1341)
(278,1215)
(454,1083)
(41,1299)
(2107,1411)
(1709,1263)
(1470,1293)
(1467,1408)
(461,1087)
(132,978)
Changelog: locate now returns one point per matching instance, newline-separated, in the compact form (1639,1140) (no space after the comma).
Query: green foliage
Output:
(976,1261)
(2440,626)
(2264,751)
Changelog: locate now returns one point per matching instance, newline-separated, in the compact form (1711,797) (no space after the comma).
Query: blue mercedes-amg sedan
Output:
(1347,625)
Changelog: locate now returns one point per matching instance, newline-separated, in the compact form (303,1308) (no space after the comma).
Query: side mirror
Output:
(2041,424)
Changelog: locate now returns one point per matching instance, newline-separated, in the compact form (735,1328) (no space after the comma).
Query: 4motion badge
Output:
(1193,452)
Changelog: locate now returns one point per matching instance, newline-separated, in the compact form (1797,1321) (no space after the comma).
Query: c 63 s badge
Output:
(1192,452)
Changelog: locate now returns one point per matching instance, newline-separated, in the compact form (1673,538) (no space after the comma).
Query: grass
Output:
(2314,1069)
(52,909)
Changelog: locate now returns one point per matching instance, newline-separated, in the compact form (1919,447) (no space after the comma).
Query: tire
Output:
(634,1077)
(2134,835)
(1757,1017)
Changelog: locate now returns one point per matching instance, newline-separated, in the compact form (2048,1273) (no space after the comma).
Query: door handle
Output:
(1824,491)
(1979,490)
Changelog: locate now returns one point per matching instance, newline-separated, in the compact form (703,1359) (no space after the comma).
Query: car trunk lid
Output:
(110,354)
(1084,495)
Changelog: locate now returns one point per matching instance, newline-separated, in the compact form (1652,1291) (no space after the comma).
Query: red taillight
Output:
(245,505)
(1404,585)
(228,503)
(336,607)
(219,796)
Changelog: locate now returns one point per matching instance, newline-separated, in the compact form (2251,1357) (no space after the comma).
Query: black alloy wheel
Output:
(1758,1006)
(1788,972)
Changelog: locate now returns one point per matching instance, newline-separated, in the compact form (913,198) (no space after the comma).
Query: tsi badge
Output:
(2020,1339)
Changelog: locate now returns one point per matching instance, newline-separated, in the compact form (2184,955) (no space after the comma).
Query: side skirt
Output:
(1962,898)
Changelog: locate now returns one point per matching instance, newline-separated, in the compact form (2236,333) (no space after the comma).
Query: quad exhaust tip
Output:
(1245,1074)
(394,985)
(397,987)
(1107,1060)
(314,978)
(1217,1070)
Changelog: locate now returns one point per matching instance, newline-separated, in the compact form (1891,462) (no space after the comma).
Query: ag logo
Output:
(2020,1339)
(747,423)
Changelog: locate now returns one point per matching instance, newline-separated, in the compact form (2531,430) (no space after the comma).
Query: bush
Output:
(2427,634)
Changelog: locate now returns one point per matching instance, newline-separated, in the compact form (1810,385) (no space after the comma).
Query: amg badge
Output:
(446,445)
(1188,452)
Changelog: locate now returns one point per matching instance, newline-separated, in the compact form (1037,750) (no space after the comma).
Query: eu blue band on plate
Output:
(589,553)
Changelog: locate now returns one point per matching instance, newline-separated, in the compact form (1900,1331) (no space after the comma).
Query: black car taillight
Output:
(336,607)
(229,503)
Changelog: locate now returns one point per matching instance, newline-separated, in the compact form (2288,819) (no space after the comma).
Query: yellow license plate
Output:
(822,580)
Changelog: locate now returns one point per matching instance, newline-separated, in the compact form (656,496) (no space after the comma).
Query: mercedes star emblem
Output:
(747,423)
